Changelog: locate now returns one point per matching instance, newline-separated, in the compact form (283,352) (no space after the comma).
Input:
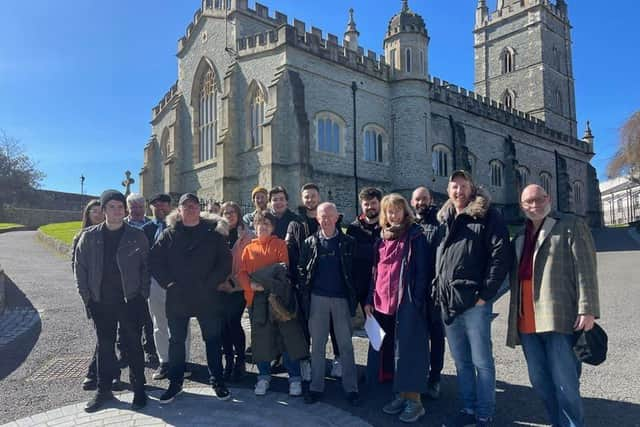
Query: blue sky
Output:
(78,79)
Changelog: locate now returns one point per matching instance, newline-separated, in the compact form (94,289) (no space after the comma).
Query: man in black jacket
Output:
(365,230)
(473,259)
(191,260)
(325,275)
(426,213)
(161,208)
(279,200)
(112,276)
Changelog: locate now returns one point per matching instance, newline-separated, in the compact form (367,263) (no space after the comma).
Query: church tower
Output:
(406,45)
(523,59)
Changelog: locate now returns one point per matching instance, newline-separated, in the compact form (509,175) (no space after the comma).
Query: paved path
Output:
(41,369)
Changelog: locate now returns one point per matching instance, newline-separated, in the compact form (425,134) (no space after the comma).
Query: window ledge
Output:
(205,164)
(331,154)
(257,148)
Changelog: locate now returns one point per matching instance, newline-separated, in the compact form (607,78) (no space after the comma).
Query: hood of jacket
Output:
(477,207)
(221,224)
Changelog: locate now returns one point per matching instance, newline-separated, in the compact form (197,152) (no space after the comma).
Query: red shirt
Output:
(386,296)
(526,316)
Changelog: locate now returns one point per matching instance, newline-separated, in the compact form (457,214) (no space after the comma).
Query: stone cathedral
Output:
(261,99)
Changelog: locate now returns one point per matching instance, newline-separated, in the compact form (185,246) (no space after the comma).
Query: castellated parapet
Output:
(445,92)
(294,34)
(165,101)
(513,9)
(313,42)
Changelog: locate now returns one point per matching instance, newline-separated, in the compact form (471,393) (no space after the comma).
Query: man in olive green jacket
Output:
(554,292)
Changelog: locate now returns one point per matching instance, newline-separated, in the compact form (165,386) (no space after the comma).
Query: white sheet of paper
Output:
(374,332)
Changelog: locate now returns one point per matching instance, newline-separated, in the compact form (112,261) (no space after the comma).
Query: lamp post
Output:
(82,185)
(354,89)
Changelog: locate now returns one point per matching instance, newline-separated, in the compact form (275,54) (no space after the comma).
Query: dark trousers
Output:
(92,371)
(381,364)
(148,341)
(211,327)
(436,339)
(106,318)
(233,337)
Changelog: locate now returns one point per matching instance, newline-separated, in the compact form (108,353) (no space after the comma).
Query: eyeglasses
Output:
(535,200)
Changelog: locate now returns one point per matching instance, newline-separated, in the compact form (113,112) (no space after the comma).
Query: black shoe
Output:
(89,384)
(171,393)
(312,397)
(353,397)
(139,400)
(162,372)
(222,392)
(117,385)
(98,400)
(239,372)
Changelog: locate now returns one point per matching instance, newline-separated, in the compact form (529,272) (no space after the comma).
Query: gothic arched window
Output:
(523,176)
(373,144)
(329,131)
(207,117)
(407,60)
(508,59)
(545,181)
(497,171)
(440,160)
(256,110)
(509,99)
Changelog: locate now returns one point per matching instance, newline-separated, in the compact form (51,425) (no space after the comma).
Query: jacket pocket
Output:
(463,294)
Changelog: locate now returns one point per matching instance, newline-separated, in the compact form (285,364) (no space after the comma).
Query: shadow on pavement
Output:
(20,327)
(516,404)
(615,239)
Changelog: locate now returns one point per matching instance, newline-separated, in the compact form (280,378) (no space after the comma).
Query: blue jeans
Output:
(292,367)
(469,337)
(554,372)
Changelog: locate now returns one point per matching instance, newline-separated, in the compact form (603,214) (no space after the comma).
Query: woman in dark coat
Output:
(397,298)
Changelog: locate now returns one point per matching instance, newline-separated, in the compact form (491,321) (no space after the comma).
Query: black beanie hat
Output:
(108,195)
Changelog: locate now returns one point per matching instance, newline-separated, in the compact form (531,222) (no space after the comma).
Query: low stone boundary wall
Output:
(21,228)
(35,218)
(57,245)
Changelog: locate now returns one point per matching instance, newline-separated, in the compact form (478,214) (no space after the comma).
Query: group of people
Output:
(420,272)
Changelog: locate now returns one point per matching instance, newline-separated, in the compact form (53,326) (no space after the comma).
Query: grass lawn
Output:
(7,225)
(63,231)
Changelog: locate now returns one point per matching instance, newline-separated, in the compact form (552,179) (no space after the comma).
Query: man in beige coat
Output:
(554,292)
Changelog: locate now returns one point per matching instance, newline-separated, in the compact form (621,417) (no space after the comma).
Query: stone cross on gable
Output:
(127,183)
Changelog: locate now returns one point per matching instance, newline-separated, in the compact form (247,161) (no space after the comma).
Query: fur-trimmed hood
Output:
(221,224)
(477,207)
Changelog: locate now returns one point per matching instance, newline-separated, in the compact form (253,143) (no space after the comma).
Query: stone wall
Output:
(38,217)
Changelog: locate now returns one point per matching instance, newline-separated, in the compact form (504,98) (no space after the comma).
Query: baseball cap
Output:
(162,197)
(188,197)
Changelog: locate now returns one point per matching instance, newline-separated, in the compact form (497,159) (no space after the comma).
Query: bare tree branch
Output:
(626,161)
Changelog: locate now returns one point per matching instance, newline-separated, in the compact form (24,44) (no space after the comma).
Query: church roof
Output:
(406,21)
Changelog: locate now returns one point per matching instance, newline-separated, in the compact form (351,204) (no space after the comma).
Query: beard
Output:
(371,214)
(534,217)
(422,210)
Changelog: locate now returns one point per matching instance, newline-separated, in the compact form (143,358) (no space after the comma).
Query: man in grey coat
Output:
(113,280)
(554,292)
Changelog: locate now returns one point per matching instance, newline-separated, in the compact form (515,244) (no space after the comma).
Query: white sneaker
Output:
(336,369)
(261,387)
(295,389)
(305,370)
